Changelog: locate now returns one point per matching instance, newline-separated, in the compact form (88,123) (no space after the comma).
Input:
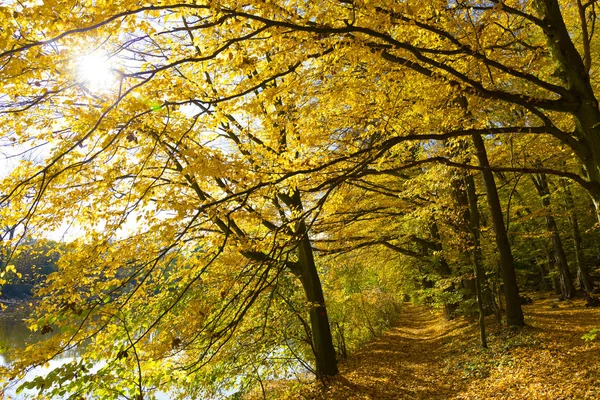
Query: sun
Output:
(96,72)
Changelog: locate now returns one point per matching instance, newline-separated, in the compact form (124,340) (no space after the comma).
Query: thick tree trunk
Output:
(583,102)
(476,254)
(514,313)
(566,281)
(326,363)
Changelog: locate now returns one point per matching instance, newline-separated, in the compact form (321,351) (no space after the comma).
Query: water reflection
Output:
(15,335)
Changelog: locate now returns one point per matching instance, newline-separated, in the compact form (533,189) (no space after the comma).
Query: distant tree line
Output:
(36,259)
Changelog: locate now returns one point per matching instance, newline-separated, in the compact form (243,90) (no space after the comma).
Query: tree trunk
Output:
(476,254)
(551,262)
(583,275)
(544,276)
(442,266)
(576,79)
(326,363)
(514,313)
(566,282)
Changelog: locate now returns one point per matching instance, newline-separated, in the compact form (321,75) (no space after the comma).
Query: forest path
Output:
(404,363)
(426,357)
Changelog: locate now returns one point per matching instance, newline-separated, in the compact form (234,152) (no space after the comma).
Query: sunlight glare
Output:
(95,72)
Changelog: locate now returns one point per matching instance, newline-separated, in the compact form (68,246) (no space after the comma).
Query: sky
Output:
(95,73)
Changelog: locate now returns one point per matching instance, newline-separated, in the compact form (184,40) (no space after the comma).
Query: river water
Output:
(14,334)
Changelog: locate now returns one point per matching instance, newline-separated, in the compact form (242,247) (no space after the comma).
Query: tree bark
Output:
(576,78)
(514,313)
(566,281)
(551,262)
(442,266)
(326,362)
(544,277)
(476,254)
(583,275)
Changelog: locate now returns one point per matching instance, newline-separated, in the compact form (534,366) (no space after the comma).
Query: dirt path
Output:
(402,364)
(429,358)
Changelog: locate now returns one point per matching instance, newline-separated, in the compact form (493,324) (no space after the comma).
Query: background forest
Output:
(249,191)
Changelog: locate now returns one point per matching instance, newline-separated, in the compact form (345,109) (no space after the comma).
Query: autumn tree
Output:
(199,163)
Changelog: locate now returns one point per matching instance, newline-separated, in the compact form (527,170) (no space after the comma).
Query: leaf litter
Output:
(427,357)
